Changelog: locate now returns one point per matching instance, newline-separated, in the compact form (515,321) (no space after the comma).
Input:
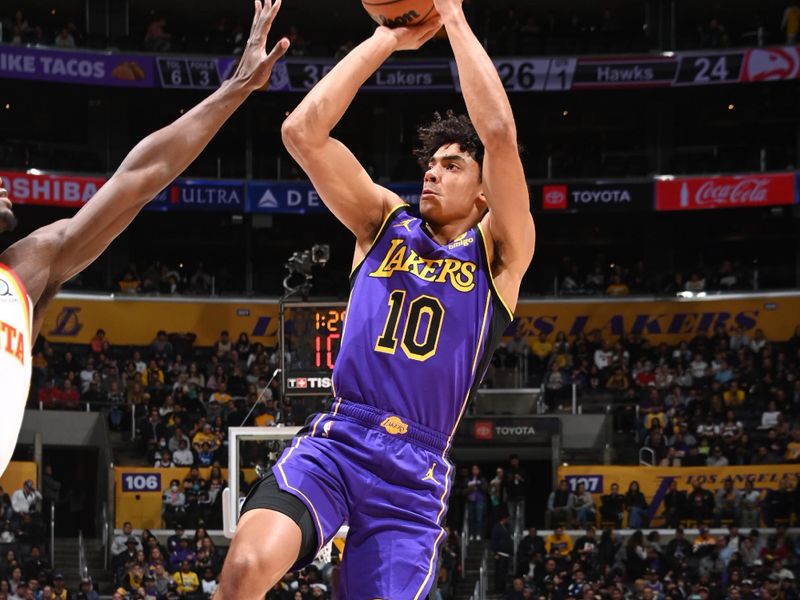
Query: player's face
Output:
(7,219)
(452,188)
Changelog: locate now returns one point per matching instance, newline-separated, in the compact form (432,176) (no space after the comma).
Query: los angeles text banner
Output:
(654,481)
(74,318)
(16,474)
(661,320)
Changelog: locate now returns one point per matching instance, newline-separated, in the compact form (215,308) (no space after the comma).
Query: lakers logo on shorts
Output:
(394,426)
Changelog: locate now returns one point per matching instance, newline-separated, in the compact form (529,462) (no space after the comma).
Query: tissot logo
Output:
(308,383)
(554,197)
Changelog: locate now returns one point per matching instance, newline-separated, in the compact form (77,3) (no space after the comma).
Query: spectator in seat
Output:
(769,418)
(674,505)
(717,459)
(157,39)
(728,502)
(161,346)
(165,460)
(223,345)
(542,349)
(751,505)
(704,543)
(183,456)
(677,550)
(700,503)
(60,591)
(184,553)
(173,504)
(558,544)
(612,506)
(120,543)
(86,590)
(560,505)
(584,506)
(778,503)
(35,564)
(68,396)
(531,550)
(734,396)
(26,500)
(636,504)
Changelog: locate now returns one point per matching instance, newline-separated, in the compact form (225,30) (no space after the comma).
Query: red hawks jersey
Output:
(16,329)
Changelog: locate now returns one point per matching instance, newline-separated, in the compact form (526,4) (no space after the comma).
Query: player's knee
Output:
(247,562)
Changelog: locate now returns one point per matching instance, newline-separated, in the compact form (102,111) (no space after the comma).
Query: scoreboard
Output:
(310,335)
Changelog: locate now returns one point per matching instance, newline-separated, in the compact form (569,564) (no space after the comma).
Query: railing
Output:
(645,452)
(53,533)
(483,574)
(464,542)
(106,534)
(476,591)
(83,569)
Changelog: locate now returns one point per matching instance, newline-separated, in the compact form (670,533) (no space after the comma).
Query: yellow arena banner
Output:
(654,481)
(75,318)
(138,492)
(661,320)
(17,473)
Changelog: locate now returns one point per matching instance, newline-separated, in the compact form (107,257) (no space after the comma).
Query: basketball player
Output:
(430,300)
(33,269)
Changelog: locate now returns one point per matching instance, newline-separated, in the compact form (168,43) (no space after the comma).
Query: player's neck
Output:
(444,234)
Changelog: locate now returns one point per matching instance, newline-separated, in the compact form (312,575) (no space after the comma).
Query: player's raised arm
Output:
(509,223)
(53,254)
(343,184)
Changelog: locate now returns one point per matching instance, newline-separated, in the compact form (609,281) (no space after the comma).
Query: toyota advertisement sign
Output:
(599,196)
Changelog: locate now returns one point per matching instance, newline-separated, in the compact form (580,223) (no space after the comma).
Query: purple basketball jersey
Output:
(422,323)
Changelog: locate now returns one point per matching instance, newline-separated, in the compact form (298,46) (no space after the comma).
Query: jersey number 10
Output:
(416,344)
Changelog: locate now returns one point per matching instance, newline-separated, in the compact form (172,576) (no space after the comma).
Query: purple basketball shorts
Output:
(389,480)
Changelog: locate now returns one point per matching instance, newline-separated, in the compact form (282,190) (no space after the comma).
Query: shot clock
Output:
(310,335)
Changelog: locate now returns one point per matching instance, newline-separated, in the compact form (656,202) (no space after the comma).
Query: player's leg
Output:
(266,545)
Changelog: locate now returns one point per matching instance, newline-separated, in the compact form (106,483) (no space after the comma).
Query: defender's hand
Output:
(255,66)
(411,38)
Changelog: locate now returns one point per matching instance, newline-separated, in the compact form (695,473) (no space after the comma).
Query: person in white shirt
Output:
(183,456)
(209,583)
(769,418)
(698,367)
(119,544)
(25,500)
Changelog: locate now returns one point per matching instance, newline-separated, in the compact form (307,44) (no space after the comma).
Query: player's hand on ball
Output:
(255,66)
(414,37)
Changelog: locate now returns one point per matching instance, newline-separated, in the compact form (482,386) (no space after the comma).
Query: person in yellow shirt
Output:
(791,23)
(793,447)
(734,396)
(703,541)
(204,435)
(558,543)
(221,396)
(187,580)
(541,347)
(617,287)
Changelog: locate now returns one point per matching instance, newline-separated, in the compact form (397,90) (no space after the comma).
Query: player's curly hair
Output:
(450,129)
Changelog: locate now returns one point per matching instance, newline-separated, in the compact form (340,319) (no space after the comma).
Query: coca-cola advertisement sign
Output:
(702,193)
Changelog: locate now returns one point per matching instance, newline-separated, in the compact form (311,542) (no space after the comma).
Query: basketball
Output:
(399,13)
